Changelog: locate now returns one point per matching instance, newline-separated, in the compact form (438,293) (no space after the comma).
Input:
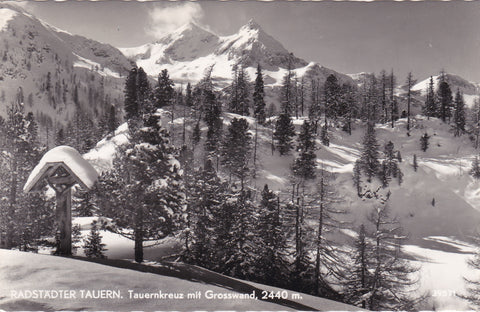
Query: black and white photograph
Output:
(239,155)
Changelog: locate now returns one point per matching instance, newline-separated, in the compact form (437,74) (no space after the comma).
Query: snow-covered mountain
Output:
(190,50)
(49,69)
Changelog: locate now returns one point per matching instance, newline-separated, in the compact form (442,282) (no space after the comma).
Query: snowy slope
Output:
(43,65)
(25,271)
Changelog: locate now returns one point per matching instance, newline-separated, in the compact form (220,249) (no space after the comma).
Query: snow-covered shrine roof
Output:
(70,159)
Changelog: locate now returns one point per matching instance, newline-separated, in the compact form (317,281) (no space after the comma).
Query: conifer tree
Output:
(272,265)
(93,247)
(284,132)
(239,91)
(164,92)
(327,260)
(305,164)
(399,157)
(415,163)
(196,134)
(475,170)
(20,153)
(302,270)
(430,108)
(235,236)
(287,93)
(357,177)
(210,108)
(131,102)
(474,123)
(459,115)
(206,196)
(359,277)
(393,100)
(391,285)
(384,174)
(424,142)
(259,97)
(314,111)
(144,186)
(348,107)
(84,203)
(409,84)
(331,97)
(369,157)
(390,163)
(324,135)
(383,95)
(188,95)
(236,149)
(445,100)
(472,294)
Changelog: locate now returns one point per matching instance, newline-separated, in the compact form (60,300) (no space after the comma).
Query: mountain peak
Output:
(252,24)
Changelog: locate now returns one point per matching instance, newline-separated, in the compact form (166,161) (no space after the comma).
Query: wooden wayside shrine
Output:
(62,167)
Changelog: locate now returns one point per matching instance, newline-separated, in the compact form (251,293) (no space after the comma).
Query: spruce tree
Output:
(314,111)
(144,186)
(211,109)
(475,170)
(164,92)
(287,92)
(474,123)
(424,142)
(21,152)
(84,204)
(259,97)
(284,132)
(415,163)
(348,107)
(196,134)
(236,149)
(369,157)
(324,135)
(390,163)
(188,95)
(357,177)
(393,100)
(207,193)
(430,108)
(272,264)
(239,91)
(445,100)
(409,84)
(459,115)
(332,97)
(130,94)
(305,164)
(235,236)
(93,247)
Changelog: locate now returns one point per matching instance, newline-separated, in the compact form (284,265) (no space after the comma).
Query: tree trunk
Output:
(64,219)
(139,235)
(13,203)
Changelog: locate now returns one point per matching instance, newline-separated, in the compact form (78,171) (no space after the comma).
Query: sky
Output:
(349,37)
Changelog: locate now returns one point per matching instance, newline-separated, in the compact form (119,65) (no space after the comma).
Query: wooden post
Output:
(64,218)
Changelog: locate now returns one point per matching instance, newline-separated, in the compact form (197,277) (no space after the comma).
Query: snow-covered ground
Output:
(439,229)
(28,282)
(442,273)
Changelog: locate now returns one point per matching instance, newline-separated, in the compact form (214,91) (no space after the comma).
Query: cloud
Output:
(165,19)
